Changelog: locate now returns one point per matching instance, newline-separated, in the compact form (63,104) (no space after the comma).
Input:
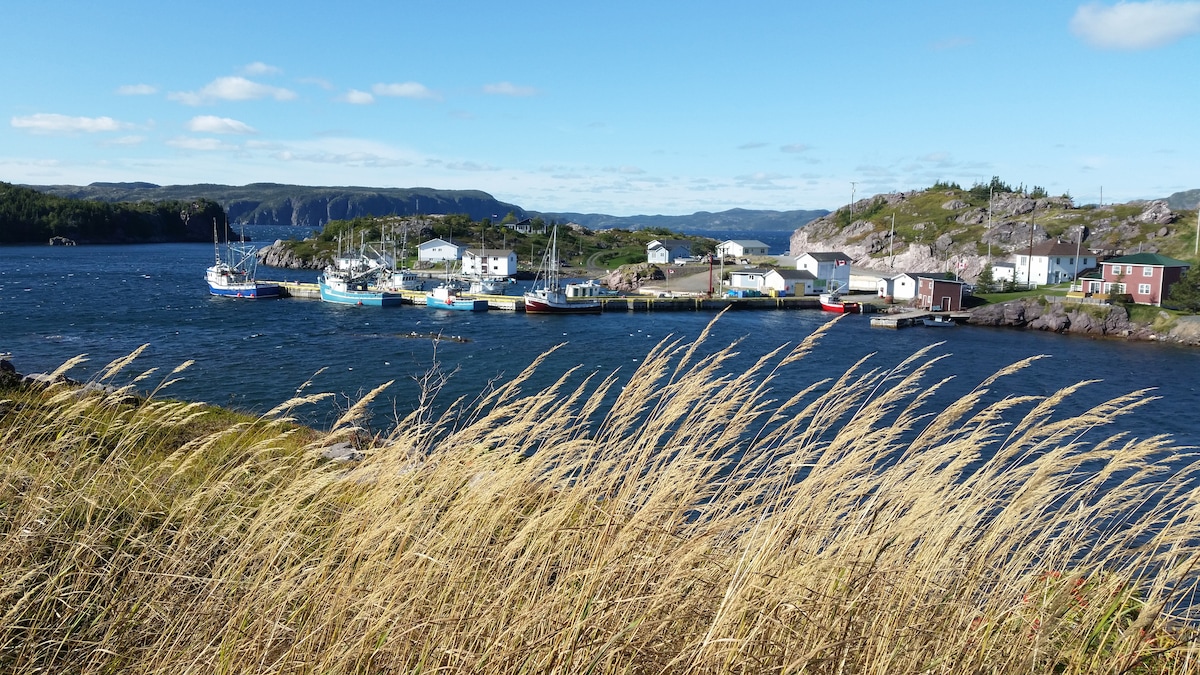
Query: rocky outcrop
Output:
(281,255)
(1061,316)
(629,278)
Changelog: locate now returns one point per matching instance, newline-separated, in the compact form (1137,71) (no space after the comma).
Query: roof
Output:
(670,243)
(490,252)
(794,274)
(745,243)
(936,276)
(751,271)
(439,242)
(1056,247)
(1148,259)
(827,256)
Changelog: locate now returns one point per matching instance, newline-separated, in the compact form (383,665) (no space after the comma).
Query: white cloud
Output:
(753,145)
(404,90)
(260,68)
(508,89)
(202,144)
(358,97)
(794,148)
(232,89)
(211,124)
(1136,25)
(126,141)
(53,123)
(137,89)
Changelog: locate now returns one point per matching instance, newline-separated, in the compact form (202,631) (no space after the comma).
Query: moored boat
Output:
(832,302)
(233,277)
(444,297)
(548,296)
(939,321)
(344,289)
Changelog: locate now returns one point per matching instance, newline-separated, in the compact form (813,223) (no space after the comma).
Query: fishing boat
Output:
(548,296)
(490,285)
(832,302)
(233,276)
(348,282)
(445,297)
(939,321)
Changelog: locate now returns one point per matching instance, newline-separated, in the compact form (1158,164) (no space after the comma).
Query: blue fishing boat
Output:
(346,289)
(233,276)
(445,297)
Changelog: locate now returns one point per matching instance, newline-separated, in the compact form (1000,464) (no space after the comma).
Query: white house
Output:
(830,269)
(489,262)
(790,282)
(751,278)
(666,250)
(1050,262)
(1004,271)
(439,250)
(737,248)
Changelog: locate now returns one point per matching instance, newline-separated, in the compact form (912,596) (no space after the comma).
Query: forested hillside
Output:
(29,216)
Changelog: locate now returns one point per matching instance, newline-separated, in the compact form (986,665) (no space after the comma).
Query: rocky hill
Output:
(276,204)
(946,228)
(733,220)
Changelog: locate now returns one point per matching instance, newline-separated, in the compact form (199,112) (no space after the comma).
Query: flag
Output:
(670,271)
(841,263)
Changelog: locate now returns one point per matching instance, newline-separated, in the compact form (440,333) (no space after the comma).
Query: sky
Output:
(624,107)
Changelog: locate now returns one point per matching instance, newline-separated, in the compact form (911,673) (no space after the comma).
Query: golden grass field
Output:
(693,521)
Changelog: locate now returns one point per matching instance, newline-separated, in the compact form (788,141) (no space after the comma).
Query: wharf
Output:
(623,303)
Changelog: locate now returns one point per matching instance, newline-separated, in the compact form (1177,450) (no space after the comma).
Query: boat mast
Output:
(216,244)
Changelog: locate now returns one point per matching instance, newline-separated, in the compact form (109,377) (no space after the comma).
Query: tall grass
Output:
(688,519)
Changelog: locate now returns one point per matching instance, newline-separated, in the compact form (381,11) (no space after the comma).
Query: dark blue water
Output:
(56,303)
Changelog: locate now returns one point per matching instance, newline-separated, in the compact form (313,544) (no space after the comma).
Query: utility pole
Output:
(991,188)
(1029,259)
(853,188)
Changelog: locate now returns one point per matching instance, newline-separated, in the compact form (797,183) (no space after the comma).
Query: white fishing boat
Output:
(548,295)
(233,276)
(444,297)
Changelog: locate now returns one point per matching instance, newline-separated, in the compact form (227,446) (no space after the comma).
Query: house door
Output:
(946,304)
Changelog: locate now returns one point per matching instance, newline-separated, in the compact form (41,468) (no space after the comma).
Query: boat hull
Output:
(831,304)
(252,291)
(536,305)
(457,304)
(363,298)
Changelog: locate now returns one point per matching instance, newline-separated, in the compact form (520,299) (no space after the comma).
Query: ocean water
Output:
(59,302)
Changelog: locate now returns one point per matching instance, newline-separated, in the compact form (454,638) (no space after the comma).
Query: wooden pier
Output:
(913,318)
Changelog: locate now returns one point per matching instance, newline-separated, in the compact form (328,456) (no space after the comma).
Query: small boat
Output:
(490,285)
(402,280)
(233,277)
(832,302)
(445,297)
(548,296)
(939,320)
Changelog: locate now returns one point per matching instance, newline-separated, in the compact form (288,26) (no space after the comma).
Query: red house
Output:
(1147,277)
(939,294)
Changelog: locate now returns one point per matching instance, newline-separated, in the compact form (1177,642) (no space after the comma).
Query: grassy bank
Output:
(693,521)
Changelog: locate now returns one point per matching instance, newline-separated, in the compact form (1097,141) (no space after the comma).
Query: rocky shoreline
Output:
(1075,318)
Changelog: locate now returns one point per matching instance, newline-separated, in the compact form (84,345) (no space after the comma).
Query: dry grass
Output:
(686,523)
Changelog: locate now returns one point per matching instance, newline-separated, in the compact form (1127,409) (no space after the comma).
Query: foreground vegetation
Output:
(685,520)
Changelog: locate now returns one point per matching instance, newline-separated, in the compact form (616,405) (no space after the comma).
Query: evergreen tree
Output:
(986,283)
(1185,293)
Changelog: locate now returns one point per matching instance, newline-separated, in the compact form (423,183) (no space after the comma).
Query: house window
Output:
(1129,269)
(1143,289)
(1147,271)
(1058,261)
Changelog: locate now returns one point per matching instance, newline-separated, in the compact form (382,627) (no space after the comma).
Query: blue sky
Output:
(619,107)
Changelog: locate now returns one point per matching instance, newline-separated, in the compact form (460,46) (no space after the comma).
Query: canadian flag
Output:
(841,263)
(670,271)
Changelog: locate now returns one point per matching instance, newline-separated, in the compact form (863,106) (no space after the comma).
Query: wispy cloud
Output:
(1136,25)
(795,148)
(137,90)
(201,144)
(259,68)
(211,124)
(404,90)
(357,97)
(231,89)
(753,145)
(53,123)
(508,89)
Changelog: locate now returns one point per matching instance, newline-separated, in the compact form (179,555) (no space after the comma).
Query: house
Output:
(790,282)
(1147,277)
(903,287)
(493,262)
(830,269)
(738,248)
(1051,262)
(750,278)
(527,226)
(1006,271)
(936,292)
(439,250)
(666,250)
